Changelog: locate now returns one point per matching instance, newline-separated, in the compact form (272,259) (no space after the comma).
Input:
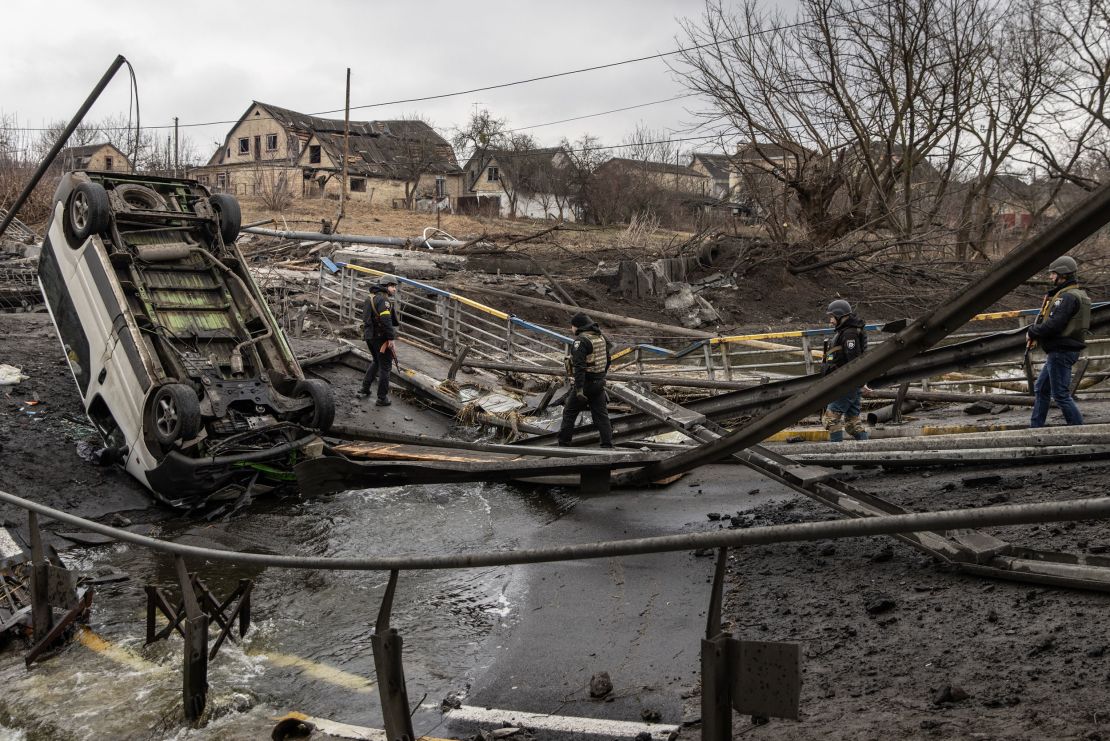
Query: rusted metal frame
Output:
(157,600)
(1021,263)
(242,611)
(72,615)
(195,675)
(387,645)
(899,400)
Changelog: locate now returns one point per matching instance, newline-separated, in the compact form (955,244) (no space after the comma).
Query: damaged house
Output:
(401,162)
(104,157)
(534,183)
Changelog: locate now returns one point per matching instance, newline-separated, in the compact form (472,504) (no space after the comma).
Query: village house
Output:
(531,183)
(396,162)
(718,169)
(104,157)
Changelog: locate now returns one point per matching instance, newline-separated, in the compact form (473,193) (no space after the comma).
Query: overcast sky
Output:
(205,61)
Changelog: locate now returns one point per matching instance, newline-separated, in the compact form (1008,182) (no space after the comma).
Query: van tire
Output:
(230,216)
(174,413)
(323,403)
(87,212)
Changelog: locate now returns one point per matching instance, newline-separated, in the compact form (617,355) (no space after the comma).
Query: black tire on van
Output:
(229,214)
(87,212)
(323,403)
(174,413)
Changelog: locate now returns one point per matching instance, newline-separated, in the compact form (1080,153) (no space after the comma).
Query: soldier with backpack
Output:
(1061,330)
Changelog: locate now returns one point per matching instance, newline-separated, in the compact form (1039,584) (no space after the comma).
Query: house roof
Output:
(87,150)
(718,165)
(376,147)
(762,151)
(660,167)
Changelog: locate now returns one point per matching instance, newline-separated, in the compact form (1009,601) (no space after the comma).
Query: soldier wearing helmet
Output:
(379,329)
(848,343)
(1060,329)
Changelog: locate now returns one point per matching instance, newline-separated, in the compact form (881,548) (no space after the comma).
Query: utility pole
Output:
(176,151)
(346,149)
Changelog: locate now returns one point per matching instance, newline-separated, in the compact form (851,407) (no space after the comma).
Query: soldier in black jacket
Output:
(1061,331)
(849,342)
(379,329)
(588,363)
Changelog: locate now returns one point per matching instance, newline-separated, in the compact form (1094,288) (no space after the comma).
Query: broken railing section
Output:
(52,586)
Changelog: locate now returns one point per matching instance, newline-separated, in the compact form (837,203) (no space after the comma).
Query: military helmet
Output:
(1064,266)
(387,280)
(839,308)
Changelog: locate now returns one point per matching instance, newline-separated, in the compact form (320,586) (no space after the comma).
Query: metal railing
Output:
(448,321)
(387,642)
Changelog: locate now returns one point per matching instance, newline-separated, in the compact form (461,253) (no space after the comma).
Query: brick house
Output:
(104,156)
(270,146)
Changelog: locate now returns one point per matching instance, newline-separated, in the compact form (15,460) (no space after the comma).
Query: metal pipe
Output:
(1018,400)
(1021,263)
(1012,514)
(357,239)
(74,122)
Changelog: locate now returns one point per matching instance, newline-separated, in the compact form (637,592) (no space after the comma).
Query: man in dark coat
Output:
(379,329)
(848,343)
(588,363)
(1061,331)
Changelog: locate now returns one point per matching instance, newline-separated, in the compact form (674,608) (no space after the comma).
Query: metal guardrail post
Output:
(807,347)
(725,361)
(195,676)
(708,353)
(443,309)
(42,614)
(509,337)
(716,662)
(387,645)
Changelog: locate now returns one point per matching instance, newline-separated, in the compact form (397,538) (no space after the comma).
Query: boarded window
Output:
(358,185)
(314,154)
(221,181)
(244,145)
(441,187)
(271,142)
(492,175)
(108,163)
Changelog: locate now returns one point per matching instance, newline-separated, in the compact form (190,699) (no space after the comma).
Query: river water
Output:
(308,648)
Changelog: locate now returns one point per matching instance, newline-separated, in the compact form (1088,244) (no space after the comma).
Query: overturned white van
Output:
(177,357)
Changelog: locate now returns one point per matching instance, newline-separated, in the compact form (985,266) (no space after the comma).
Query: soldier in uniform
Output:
(588,363)
(849,342)
(1061,330)
(379,329)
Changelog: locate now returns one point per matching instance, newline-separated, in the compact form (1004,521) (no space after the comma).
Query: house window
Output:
(107,163)
(244,145)
(358,185)
(271,142)
(314,154)
(441,187)
(492,175)
(203,180)
(221,182)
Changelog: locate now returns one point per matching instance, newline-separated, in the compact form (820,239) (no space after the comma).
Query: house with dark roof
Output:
(104,157)
(716,167)
(388,161)
(531,183)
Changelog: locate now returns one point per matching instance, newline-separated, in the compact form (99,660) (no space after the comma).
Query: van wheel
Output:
(323,403)
(175,413)
(229,215)
(88,212)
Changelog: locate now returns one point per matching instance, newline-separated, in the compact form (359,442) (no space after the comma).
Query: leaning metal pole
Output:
(1024,261)
(61,142)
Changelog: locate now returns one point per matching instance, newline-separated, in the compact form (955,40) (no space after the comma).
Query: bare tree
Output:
(583,158)
(481,134)
(418,155)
